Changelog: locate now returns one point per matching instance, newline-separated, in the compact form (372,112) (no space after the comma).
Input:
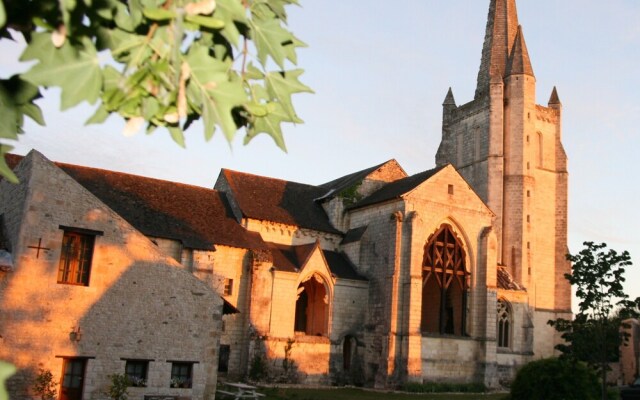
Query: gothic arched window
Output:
(312,307)
(504,324)
(445,281)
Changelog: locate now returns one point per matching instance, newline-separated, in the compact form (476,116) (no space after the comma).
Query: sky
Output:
(380,71)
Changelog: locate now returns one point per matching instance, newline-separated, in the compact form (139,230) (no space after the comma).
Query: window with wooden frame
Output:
(74,267)
(181,374)
(504,324)
(445,283)
(136,371)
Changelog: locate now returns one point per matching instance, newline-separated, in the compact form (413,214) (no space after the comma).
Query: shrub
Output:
(44,386)
(443,387)
(555,379)
(118,388)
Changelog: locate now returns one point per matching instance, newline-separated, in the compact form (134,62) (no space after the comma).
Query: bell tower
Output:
(509,150)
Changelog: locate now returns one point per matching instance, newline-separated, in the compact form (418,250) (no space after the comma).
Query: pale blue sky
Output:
(380,70)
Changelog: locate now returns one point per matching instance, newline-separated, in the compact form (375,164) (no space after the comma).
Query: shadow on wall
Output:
(145,310)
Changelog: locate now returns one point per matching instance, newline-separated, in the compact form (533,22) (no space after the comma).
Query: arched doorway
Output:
(445,283)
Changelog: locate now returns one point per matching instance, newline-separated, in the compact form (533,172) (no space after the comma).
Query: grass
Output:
(363,394)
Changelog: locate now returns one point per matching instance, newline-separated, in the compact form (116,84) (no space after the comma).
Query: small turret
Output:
(554,100)
(448,106)
(449,101)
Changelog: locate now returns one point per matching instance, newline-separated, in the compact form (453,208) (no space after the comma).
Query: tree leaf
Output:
(177,135)
(3,14)
(34,112)
(269,36)
(99,116)
(281,85)
(74,69)
(230,11)
(6,370)
(217,94)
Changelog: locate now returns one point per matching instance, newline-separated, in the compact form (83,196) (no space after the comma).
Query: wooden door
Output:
(72,379)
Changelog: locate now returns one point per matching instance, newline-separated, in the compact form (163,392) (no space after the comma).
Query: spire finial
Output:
(502,27)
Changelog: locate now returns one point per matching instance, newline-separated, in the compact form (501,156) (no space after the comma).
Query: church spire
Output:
(502,28)
(519,62)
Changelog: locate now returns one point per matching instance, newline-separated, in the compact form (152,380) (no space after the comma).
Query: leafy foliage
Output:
(44,385)
(117,390)
(6,370)
(555,379)
(172,62)
(594,335)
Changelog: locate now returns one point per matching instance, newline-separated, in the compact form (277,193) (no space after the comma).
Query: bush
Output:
(555,379)
(44,386)
(118,388)
(442,387)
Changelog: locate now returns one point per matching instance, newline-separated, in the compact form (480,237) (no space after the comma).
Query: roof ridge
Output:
(63,164)
(266,177)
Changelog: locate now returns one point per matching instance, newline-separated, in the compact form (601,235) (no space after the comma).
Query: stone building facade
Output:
(375,278)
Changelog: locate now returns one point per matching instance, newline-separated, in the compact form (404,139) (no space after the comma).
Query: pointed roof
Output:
(502,27)
(293,259)
(336,186)
(396,189)
(449,100)
(519,62)
(554,99)
(277,200)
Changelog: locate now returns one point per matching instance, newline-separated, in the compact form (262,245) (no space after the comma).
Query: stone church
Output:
(375,278)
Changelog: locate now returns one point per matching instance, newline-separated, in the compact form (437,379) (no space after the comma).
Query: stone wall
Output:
(139,303)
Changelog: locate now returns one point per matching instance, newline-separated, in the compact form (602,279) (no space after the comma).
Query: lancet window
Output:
(445,283)
(504,324)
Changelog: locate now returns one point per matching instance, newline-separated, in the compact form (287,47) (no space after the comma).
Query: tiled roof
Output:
(199,217)
(505,281)
(276,200)
(397,188)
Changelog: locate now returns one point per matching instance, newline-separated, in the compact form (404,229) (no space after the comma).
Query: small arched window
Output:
(445,282)
(504,324)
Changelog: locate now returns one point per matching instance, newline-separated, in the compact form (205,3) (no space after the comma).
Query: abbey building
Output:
(375,278)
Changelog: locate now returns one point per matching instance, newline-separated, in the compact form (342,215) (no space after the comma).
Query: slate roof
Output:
(277,200)
(396,189)
(199,217)
(292,259)
(341,266)
(354,235)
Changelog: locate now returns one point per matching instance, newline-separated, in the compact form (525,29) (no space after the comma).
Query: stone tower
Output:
(509,150)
